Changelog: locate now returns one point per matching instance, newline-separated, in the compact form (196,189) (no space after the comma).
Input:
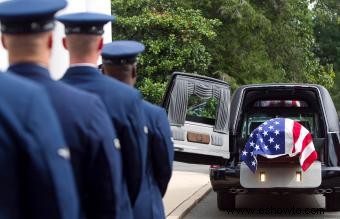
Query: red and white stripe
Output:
(302,143)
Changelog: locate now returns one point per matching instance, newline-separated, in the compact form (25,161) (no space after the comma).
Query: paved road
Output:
(186,180)
(179,166)
(207,208)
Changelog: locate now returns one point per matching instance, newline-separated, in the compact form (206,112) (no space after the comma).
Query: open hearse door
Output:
(198,112)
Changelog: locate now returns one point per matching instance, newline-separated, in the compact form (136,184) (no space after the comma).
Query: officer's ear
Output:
(134,75)
(64,43)
(3,41)
(134,71)
(101,44)
(50,40)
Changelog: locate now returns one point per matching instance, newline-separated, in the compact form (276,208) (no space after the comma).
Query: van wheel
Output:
(332,202)
(225,201)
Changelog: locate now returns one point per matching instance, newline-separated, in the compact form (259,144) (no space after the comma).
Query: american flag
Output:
(277,137)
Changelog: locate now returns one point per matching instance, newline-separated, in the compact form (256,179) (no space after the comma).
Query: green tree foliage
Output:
(173,37)
(239,41)
(327,34)
(205,108)
(264,41)
(152,89)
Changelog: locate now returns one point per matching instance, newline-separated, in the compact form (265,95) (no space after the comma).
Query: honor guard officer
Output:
(36,176)
(84,42)
(26,33)
(119,61)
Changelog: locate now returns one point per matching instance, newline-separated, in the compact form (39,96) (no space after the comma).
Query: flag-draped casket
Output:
(278,137)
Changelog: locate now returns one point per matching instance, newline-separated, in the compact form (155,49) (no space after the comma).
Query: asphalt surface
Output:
(264,206)
(179,166)
(258,206)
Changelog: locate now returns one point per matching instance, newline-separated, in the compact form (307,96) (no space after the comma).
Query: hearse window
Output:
(201,101)
(280,103)
(201,110)
(254,120)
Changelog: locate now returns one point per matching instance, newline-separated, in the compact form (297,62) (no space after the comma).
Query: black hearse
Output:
(209,127)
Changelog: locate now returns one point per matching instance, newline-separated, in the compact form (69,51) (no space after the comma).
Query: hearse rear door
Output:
(198,112)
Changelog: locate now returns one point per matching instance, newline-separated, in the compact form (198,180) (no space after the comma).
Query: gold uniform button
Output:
(116,143)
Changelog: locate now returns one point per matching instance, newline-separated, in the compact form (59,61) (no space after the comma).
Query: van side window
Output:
(201,110)
(199,101)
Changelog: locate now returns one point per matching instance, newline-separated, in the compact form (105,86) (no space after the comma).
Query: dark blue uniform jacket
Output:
(90,136)
(124,106)
(36,180)
(158,165)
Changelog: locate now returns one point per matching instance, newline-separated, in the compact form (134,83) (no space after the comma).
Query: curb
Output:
(183,208)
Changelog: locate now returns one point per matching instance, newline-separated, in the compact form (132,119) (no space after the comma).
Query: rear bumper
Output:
(227,179)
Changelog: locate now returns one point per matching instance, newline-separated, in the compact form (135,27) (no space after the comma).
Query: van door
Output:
(198,112)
